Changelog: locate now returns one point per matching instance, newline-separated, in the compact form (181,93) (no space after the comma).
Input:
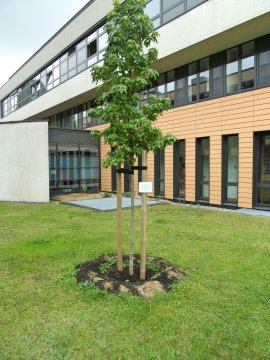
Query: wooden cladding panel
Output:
(106,174)
(241,114)
(169,172)
(245,172)
(215,169)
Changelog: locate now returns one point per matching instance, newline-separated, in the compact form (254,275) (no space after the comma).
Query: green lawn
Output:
(220,311)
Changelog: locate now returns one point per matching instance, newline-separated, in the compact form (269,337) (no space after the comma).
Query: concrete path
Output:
(108,204)
(253,212)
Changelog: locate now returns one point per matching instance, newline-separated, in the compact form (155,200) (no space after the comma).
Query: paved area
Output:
(253,212)
(108,204)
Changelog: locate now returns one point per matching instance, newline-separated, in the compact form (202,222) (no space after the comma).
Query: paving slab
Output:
(108,204)
(253,212)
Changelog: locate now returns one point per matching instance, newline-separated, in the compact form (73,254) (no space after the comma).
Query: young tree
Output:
(126,71)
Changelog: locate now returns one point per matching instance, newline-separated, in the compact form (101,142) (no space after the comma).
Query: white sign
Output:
(145,187)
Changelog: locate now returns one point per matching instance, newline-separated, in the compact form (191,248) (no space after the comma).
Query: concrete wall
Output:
(24,169)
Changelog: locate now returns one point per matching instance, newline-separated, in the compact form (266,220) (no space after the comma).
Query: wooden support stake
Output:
(119,221)
(143,220)
(132,226)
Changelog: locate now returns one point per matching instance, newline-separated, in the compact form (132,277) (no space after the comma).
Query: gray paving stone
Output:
(108,204)
(253,212)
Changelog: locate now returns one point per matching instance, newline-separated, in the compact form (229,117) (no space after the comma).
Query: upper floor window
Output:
(163,11)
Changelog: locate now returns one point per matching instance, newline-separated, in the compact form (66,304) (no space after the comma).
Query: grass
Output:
(220,311)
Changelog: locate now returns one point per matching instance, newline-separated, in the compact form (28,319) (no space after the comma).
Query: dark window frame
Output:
(157,180)
(198,172)
(176,181)
(225,182)
(256,161)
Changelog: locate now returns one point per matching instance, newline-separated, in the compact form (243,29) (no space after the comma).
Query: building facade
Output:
(214,65)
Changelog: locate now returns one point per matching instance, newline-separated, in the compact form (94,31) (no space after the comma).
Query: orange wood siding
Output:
(106,174)
(241,114)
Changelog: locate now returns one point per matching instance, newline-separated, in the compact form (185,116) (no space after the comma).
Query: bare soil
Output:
(103,273)
(77,196)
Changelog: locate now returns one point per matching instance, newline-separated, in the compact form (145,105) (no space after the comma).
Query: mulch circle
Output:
(103,273)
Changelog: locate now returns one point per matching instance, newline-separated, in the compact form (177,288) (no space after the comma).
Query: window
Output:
(102,41)
(247,66)
(173,12)
(152,8)
(179,169)
(204,78)
(192,3)
(203,168)
(159,164)
(181,85)
(72,50)
(171,87)
(163,11)
(264,60)
(230,169)
(92,48)
(217,75)
(192,82)
(232,67)
(262,170)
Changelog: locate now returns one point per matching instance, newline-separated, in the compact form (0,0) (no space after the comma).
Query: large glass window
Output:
(264,61)
(73,166)
(203,168)
(217,75)
(232,66)
(171,87)
(179,168)
(160,173)
(247,66)
(192,82)
(263,170)
(230,169)
(204,78)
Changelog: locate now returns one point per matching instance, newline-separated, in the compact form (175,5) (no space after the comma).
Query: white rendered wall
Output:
(24,169)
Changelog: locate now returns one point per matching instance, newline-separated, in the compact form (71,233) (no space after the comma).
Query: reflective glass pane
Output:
(72,61)
(161,90)
(192,3)
(102,41)
(264,68)
(232,71)
(156,22)
(181,91)
(247,65)
(203,164)
(56,73)
(192,82)
(63,67)
(81,55)
(173,13)
(92,48)
(171,92)
(204,78)
(181,168)
(152,9)
(168,3)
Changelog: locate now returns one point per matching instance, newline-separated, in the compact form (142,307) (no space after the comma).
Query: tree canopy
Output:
(126,71)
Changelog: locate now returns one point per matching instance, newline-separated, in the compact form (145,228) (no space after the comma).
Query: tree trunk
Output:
(132,225)
(119,220)
(143,220)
